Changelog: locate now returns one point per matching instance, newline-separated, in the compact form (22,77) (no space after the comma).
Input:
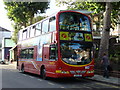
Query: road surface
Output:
(12,78)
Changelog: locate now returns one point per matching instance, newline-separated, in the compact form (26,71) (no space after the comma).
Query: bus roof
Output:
(81,11)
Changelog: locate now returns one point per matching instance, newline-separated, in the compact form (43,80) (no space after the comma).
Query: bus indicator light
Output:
(58,71)
(87,67)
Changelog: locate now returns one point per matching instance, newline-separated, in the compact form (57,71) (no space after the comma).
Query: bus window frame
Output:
(56,50)
(24,36)
(30,54)
(46,20)
(28,32)
(50,30)
(27,55)
(32,30)
(40,30)
(58,15)
(20,35)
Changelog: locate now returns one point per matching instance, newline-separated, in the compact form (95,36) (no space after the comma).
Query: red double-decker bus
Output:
(58,46)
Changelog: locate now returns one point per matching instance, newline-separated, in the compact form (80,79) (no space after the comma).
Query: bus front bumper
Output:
(59,74)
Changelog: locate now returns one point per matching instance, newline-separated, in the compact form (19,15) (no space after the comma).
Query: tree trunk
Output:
(104,44)
(24,24)
(98,26)
(31,20)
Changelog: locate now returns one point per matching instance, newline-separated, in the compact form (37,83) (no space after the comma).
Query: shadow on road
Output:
(61,80)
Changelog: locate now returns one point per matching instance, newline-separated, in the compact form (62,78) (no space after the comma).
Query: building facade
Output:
(7,44)
(4,33)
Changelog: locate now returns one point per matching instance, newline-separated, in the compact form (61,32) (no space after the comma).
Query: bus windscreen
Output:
(74,21)
(75,53)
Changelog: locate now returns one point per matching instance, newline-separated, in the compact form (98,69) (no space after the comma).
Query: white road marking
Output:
(51,83)
(39,79)
(24,75)
(62,87)
(31,76)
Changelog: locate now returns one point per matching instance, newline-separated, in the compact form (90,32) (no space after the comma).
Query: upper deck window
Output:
(52,24)
(74,21)
(38,29)
(25,34)
(28,32)
(32,31)
(45,26)
(20,35)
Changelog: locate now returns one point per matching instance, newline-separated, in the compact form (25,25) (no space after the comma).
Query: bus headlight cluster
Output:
(65,72)
(75,72)
(78,71)
(90,71)
(83,71)
(60,71)
(72,72)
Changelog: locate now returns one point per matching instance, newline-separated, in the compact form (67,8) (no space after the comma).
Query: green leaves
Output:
(22,12)
(97,7)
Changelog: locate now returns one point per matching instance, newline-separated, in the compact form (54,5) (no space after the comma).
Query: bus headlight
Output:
(65,72)
(90,71)
(87,67)
(72,72)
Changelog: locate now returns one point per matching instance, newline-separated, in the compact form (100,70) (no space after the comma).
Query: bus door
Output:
(50,57)
(45,53)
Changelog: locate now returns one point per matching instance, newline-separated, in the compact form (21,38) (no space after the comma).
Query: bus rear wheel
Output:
(22,69)
(43,73)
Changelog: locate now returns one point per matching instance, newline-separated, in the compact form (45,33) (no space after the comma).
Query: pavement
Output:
(99,78)
(110,80)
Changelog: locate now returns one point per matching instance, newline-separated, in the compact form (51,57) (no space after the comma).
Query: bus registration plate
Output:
(77,75)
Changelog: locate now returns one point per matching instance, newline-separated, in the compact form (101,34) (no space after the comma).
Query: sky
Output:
(6,23)
(54,8)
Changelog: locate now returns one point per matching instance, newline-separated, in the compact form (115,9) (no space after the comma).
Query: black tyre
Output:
(43,73)
(22,69)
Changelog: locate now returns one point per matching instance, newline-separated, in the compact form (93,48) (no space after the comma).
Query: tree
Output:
(22,13)
(104,44)
(111,16)
(36,19)
(16,12)
(97,7)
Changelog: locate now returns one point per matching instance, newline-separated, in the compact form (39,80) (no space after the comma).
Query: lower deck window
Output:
(27,53)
